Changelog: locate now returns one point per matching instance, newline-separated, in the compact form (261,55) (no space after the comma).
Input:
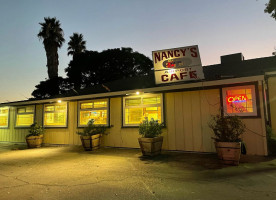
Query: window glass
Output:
(49,108)
(139,108)
(94,109)
(99,116)
(55,115)
(240,100)
(86,105)
(151,100)
(25,116)
(4,117)
(133,102)
(100,104)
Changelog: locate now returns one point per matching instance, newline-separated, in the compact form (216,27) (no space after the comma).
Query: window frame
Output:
(7,126)
(26,113)
(55,126)
(255,100)
(107,108)
(141,106)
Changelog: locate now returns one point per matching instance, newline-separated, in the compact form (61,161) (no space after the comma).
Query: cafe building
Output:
(181,93)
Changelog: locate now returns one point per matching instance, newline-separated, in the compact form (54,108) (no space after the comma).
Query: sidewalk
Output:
(109,173)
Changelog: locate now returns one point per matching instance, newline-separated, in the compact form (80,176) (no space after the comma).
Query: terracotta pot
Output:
(34,141)
(229,152)
(90,142)
(151,146)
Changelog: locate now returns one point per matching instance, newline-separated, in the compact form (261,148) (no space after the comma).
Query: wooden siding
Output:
(186,115)
(272,101)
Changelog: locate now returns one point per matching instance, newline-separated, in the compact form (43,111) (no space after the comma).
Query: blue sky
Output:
(217,27)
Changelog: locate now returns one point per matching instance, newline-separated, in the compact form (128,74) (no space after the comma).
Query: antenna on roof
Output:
(105,87)
(24,96)
(75,90)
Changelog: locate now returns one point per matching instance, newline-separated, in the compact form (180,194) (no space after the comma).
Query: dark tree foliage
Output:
(271,8)
(76,44)
(52,36)
(51,87)
(92,68)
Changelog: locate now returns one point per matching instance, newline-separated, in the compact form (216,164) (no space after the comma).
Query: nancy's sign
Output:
(178,64)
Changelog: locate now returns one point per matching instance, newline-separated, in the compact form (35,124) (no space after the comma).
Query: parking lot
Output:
(68,172)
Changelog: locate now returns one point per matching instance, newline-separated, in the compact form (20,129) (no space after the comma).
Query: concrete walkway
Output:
(71,173)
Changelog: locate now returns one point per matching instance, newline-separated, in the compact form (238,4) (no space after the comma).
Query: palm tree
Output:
(52,36)
(76,44)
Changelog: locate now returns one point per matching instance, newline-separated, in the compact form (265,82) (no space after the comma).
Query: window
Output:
(4,117)
(24,116)
(137,108)
(239,100)
(55,115)
(93,109)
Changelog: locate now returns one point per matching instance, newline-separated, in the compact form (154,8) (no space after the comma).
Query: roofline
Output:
(146,90)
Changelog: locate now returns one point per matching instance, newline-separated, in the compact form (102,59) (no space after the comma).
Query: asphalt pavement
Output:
(69,172)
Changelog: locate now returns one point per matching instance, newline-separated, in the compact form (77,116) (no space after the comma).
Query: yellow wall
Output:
(272,100)
(186,114)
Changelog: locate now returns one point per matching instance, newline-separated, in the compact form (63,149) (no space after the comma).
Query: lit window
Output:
(239,100)
(55,115)
(24,116)
(4,117)
(93,109)
(137,108)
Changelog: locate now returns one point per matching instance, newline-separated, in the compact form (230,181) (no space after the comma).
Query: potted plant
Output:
(151,141)
(90,136)
(228,131)
(35,136)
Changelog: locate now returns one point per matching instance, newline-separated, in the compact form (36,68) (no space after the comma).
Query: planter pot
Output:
(34,141)
(151,146)
(90,143)
(229,152)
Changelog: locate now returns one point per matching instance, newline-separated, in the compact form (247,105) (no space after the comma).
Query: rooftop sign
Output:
(178,64)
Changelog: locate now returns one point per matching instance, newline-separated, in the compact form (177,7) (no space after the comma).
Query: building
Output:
(240,87)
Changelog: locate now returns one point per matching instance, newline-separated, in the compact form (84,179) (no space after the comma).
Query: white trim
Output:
(7,126)
(92,109)
(66,112)
(254,101)
(25,113)
(142,106)
(147,90)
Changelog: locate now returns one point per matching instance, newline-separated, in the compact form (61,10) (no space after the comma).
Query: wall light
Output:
(137,93)
(59,101)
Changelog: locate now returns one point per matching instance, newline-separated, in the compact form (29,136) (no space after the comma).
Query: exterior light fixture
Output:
(137,93)
(59,101)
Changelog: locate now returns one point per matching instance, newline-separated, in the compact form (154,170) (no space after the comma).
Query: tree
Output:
(271,8)
(76,44)
(91,67)
(51,87)
(52,36)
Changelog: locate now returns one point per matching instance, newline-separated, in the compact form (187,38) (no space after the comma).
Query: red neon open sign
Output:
(237,98)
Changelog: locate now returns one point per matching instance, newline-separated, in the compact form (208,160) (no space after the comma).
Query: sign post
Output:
(178,64)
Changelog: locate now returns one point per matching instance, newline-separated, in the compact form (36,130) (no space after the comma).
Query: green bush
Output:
(35,130)
(150,129)
(227,129)
(92,129)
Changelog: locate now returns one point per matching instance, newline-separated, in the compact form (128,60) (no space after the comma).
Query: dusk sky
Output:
(217,27)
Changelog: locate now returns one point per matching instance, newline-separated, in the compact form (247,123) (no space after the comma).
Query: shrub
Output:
(92,129)
(227,129)
(35,130)
(150,129)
